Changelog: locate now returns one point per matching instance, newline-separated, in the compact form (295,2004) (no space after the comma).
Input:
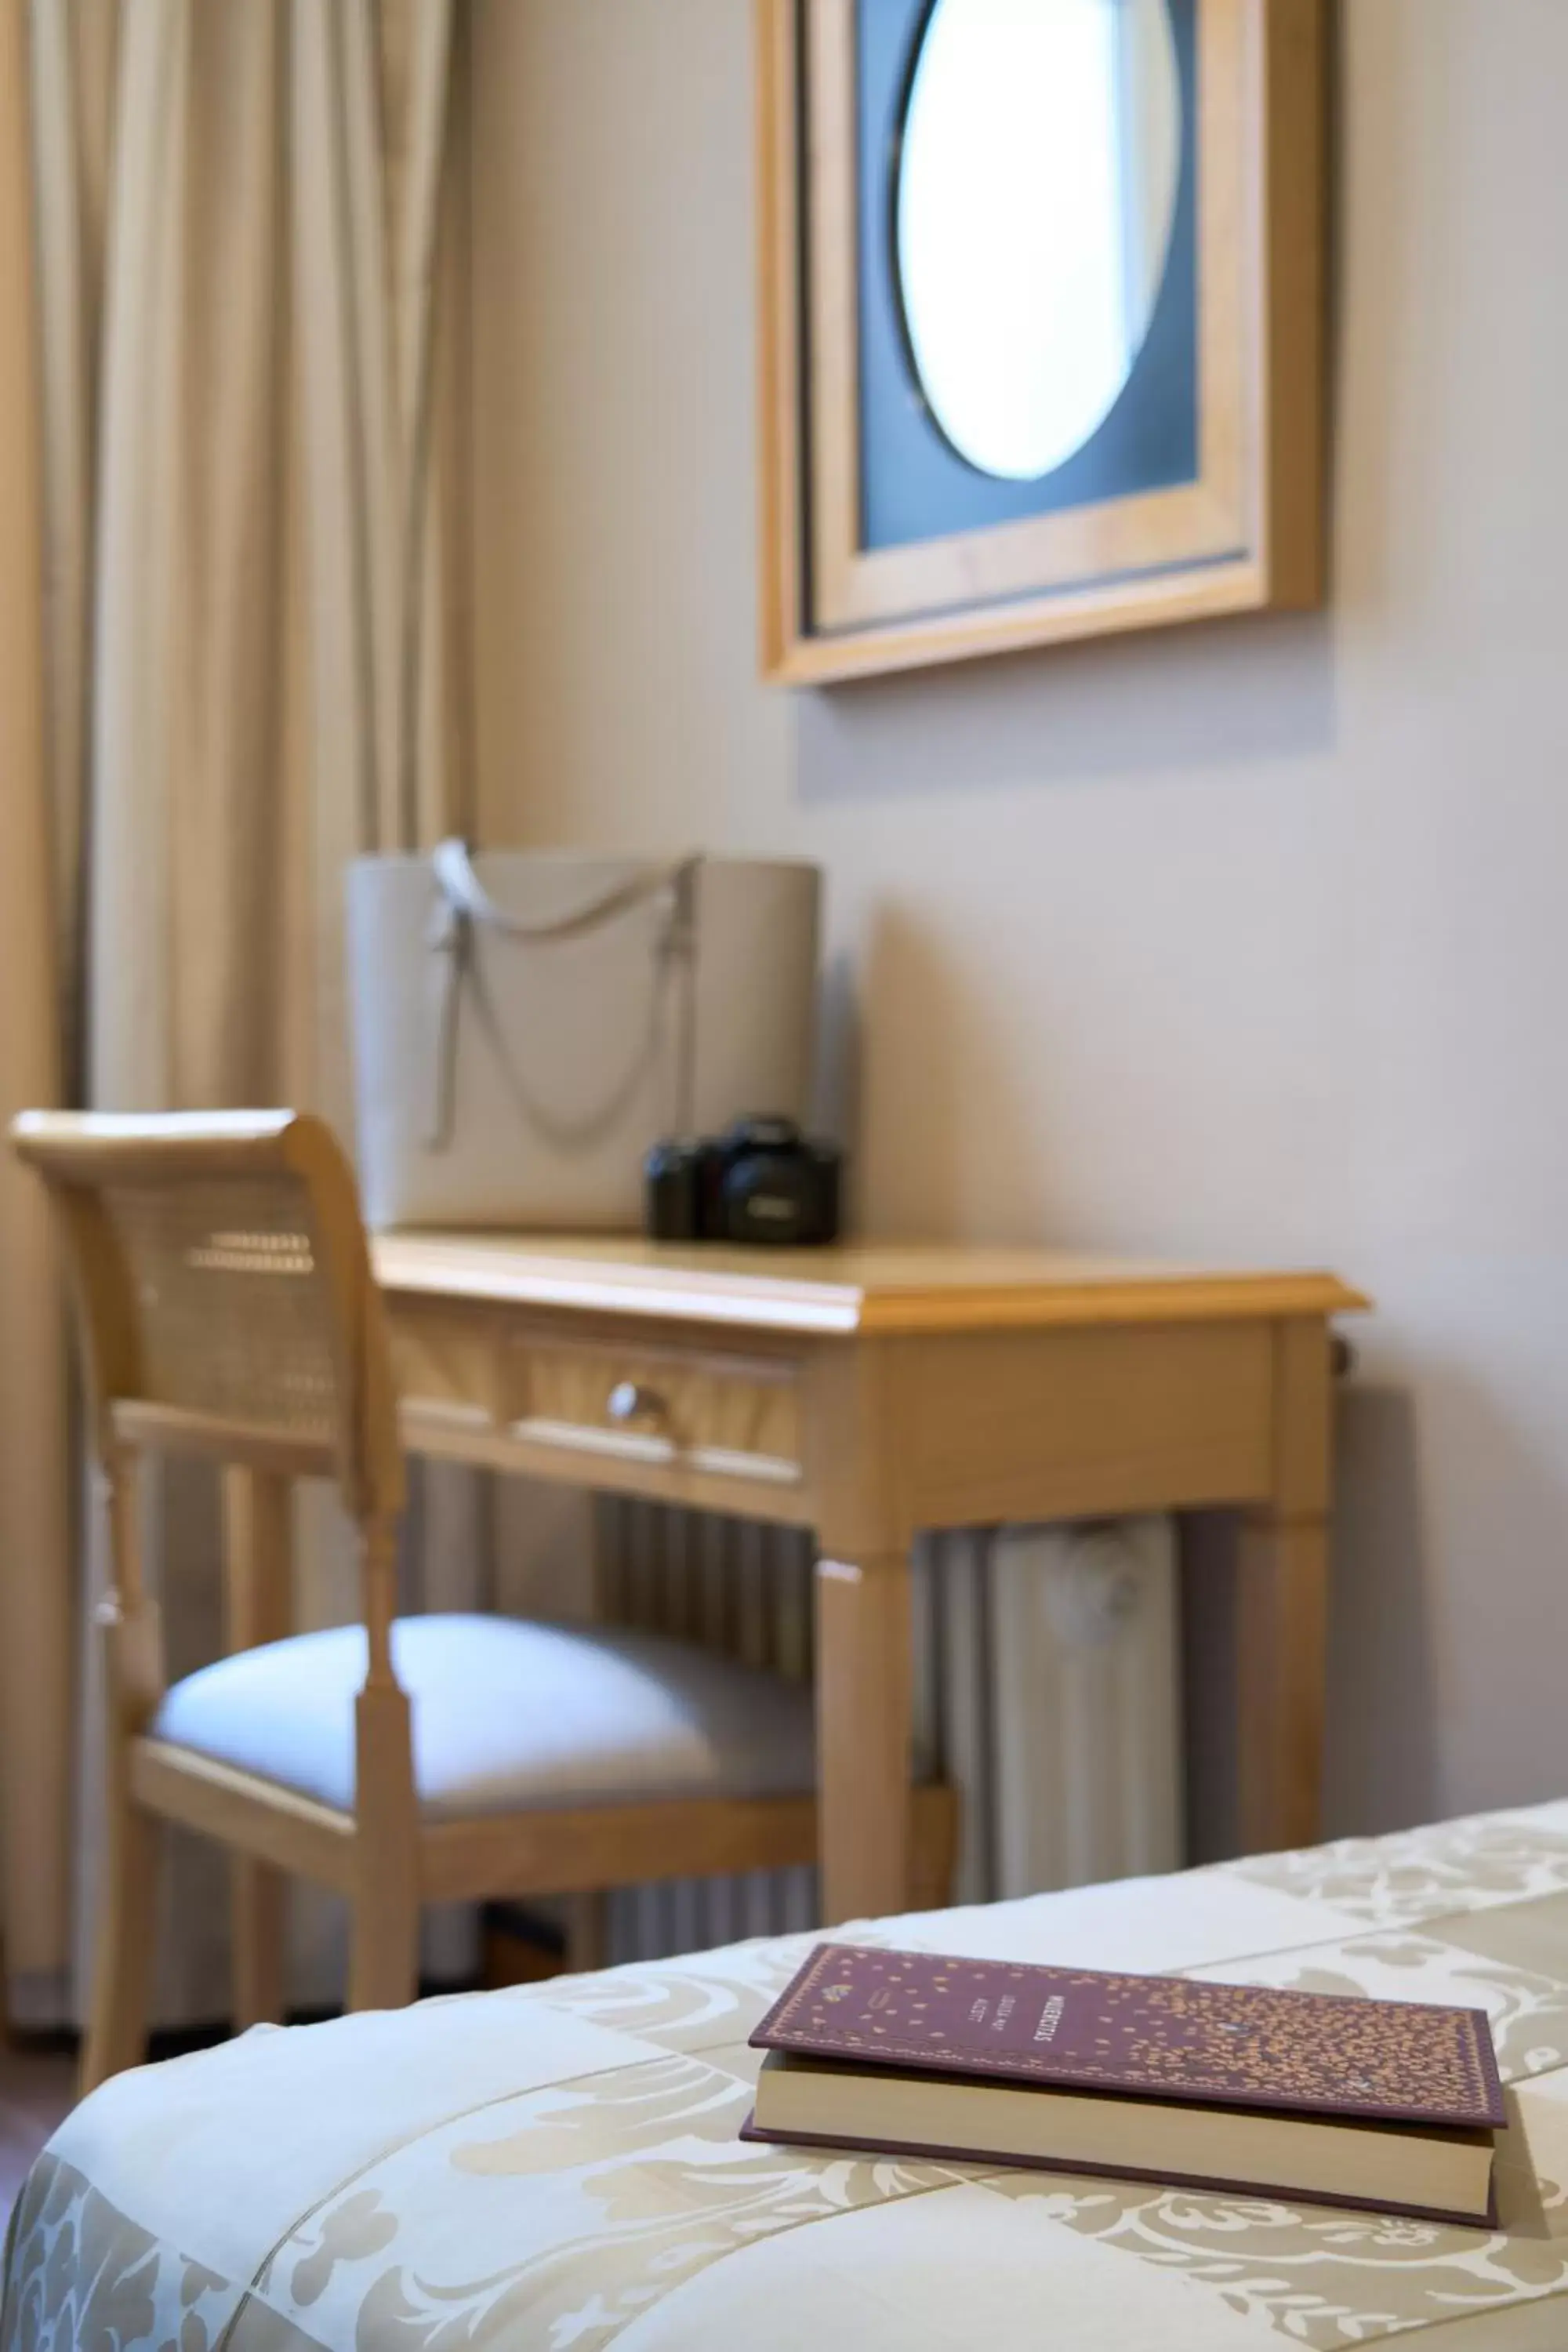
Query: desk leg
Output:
(864,1700)
(1282,1608)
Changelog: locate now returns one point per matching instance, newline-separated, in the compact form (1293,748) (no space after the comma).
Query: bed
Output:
(557,2167)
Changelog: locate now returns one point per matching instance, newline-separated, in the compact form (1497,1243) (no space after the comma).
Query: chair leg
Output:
(384,1951)
(384,1954)
(935,1847)
(259,1923)
(127,1924)
(587,1932)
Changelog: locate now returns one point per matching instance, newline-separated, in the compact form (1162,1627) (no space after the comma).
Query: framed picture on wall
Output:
(1041,321)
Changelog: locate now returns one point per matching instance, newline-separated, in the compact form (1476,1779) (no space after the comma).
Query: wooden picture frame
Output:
(1245,534)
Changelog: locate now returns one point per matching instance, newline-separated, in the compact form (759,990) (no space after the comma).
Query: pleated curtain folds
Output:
(35,1586)
(231,267)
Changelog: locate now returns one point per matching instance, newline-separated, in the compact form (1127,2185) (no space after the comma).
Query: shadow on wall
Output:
(1380,1753)
(841,1066)
(1208,1570)
(1202,696)
(936,1108)
(1381,1768)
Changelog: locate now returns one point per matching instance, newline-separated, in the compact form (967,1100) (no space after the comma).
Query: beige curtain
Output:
(35,1601)
(250,621)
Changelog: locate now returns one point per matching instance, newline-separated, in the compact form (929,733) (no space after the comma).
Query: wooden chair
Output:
(228,1310)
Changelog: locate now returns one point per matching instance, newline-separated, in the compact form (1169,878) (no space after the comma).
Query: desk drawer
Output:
(729,1416)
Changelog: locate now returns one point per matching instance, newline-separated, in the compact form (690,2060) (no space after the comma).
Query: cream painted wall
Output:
(1247,941)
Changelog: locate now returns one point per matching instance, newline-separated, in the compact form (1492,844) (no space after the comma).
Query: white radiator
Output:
(1085,1741)
(1047,1690)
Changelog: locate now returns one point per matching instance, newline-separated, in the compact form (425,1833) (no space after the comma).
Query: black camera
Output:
(762,1181)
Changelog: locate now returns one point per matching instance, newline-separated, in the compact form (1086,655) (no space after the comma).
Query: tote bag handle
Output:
(465,905)
(463,899)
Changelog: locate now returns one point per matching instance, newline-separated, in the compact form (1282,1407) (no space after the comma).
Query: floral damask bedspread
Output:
(557,2167)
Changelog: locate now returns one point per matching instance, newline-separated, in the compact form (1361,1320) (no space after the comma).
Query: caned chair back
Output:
(227,1300)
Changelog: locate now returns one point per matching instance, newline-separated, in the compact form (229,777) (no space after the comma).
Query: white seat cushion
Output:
(507,1717)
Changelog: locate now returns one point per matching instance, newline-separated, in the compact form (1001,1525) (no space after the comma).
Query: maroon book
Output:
(1243,2088)
(1143,2037)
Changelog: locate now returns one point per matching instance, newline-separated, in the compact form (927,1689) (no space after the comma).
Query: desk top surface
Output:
(852,1289)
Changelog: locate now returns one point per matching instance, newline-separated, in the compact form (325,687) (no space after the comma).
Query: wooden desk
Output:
(869,1392)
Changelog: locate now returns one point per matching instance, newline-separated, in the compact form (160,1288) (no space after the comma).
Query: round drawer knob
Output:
(629,1401)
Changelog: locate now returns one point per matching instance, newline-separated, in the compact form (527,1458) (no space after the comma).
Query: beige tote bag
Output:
(527,1022)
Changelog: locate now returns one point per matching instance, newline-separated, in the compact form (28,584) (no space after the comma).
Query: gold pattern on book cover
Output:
(1249,2045)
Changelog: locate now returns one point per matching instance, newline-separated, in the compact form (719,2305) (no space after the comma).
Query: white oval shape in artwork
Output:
(1041,156)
